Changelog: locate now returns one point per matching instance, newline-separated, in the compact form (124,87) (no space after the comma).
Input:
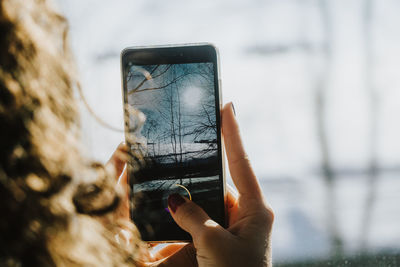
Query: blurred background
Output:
(316,87)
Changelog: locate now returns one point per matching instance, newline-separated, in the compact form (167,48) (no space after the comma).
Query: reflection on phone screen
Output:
(180,144)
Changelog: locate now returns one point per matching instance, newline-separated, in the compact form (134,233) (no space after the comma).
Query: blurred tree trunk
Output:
(373,131)
(321,86)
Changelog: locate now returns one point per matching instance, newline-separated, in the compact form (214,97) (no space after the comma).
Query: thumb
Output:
(190,217)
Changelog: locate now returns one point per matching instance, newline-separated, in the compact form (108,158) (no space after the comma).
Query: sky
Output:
(181,104)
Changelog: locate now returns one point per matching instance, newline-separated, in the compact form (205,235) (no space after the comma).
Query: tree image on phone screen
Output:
(179,143)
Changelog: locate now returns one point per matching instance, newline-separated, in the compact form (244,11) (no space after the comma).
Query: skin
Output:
(246,241)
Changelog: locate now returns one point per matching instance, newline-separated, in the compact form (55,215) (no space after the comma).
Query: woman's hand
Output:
(117,165)
(246,242)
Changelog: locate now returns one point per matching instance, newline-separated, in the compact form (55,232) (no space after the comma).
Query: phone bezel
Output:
(180,54)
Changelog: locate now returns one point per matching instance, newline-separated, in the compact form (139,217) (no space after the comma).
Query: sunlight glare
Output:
(191,97)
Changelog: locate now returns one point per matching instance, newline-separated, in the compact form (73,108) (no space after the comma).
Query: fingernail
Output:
(174,201)
(233,108)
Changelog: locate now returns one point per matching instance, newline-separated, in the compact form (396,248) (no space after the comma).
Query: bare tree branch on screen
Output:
(158,87)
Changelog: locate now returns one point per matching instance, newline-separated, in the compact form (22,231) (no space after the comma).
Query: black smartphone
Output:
(178,147)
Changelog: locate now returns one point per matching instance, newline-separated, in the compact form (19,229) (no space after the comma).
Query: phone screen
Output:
(180,144)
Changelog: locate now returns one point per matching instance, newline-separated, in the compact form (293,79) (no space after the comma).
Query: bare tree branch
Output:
(160,87)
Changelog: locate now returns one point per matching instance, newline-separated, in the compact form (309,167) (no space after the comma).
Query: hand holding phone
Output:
(247,240)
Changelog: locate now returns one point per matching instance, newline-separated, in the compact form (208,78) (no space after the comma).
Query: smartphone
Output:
(178,146)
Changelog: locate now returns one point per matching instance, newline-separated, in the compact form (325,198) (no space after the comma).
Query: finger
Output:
(184,257)
(166,251)
(232,205)
(238,162)
(190,217)
(231,197)
(119,158)
(123,209)
(123,178)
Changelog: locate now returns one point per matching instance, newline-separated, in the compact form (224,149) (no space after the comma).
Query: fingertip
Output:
(123,147)
(228,105)
(187,214)
(227,110)
(174,201)
(229,123)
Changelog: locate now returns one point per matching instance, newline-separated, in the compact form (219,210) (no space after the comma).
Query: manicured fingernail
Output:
(233,108)
(174,201)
